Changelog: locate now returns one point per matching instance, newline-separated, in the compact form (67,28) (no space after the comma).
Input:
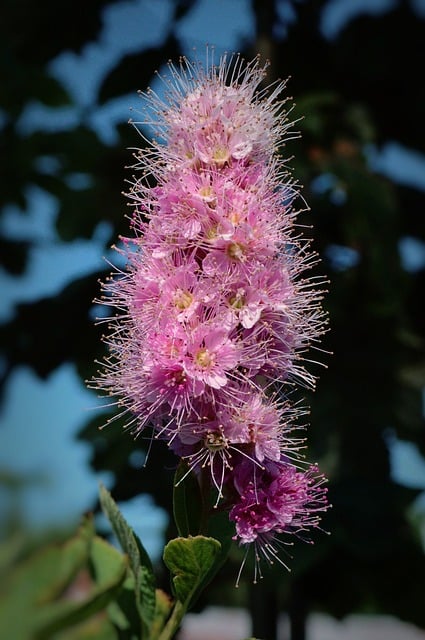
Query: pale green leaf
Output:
(140,563)
(189,561)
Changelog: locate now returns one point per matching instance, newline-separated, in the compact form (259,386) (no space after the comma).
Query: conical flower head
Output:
(215,115)
(215,308)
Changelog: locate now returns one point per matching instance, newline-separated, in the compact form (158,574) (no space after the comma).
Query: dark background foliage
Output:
(361,88)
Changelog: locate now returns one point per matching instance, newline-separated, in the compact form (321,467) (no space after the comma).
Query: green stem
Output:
(205,497)
(174,621)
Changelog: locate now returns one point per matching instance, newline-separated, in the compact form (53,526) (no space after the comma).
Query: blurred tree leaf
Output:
(53,330)
(26,27)
(136,70)
(85,175)
(13,255)
(182,7)
(114,448)
(35,84)
(28,43)
(377,73)
(382,73)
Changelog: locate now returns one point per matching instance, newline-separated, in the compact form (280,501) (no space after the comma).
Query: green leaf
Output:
(40,578)
(10,551)
(139,560)
(146,584)
(106,561)
(109,568)
(128,540)
(189,561)
(162,611)
(187,502)
(97,628)
(123,612)
(195,512)
(37,604)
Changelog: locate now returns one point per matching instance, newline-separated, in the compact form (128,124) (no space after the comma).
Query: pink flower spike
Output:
(215,312)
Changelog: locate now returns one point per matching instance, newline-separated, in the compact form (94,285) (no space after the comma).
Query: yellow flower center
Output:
(204,358)
(235,251)
(220,155)
(182,299)
(206,192)
(215,441)
(235,217)
(211,233)
(237,301)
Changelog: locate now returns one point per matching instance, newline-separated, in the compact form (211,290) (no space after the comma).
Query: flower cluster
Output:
(215,309)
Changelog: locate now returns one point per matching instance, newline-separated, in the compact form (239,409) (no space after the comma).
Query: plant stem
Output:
(205,496)
(173,622)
